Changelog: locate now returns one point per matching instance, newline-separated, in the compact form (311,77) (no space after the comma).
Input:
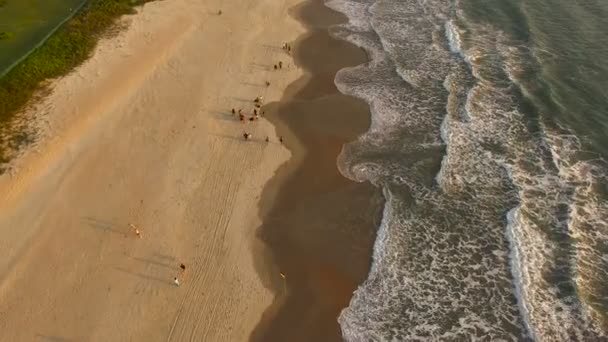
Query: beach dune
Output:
(142,134)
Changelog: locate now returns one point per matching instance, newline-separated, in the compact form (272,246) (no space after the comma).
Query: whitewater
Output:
(496,220)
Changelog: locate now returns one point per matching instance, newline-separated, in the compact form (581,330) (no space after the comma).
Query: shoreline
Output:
(142,133)
(319,226)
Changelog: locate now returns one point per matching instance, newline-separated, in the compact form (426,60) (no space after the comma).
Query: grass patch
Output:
(6,35)
(69,47)
(2,3)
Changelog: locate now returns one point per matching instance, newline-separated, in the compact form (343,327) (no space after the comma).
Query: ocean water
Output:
(489,138)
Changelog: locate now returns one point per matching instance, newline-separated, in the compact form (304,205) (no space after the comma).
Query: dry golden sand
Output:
(142,134)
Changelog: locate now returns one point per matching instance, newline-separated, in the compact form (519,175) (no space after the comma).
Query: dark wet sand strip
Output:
(319,227)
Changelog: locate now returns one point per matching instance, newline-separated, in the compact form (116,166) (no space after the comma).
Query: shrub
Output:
(5,35)
(69,47)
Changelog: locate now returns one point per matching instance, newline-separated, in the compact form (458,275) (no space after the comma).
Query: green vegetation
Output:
(5,35)
(2,3)
(71,45)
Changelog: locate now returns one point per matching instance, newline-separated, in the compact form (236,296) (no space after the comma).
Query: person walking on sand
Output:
(233,111)
(267,139)
(280,65)
(176,281)
(135,230)
(182,267)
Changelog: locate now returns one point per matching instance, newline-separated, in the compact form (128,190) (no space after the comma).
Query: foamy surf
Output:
(494,221)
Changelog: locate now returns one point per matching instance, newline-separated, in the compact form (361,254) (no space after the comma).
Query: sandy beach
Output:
(142,133)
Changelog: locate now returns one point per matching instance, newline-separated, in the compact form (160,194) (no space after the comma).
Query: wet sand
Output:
(318,225)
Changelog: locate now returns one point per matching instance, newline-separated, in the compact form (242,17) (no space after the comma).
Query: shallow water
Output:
(31,21)
(488,136)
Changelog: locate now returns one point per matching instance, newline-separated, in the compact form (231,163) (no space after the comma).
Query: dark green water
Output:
(567,73)
(30,21)
(555,55)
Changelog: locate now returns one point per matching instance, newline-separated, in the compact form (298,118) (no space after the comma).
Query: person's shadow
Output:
(50,338)
(103,225)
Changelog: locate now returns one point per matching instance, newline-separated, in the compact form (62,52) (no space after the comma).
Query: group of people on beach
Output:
(257,110)
(256,113)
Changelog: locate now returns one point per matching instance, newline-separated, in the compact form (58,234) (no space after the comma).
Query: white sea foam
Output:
(444,246)
(453,37)
(516,268)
